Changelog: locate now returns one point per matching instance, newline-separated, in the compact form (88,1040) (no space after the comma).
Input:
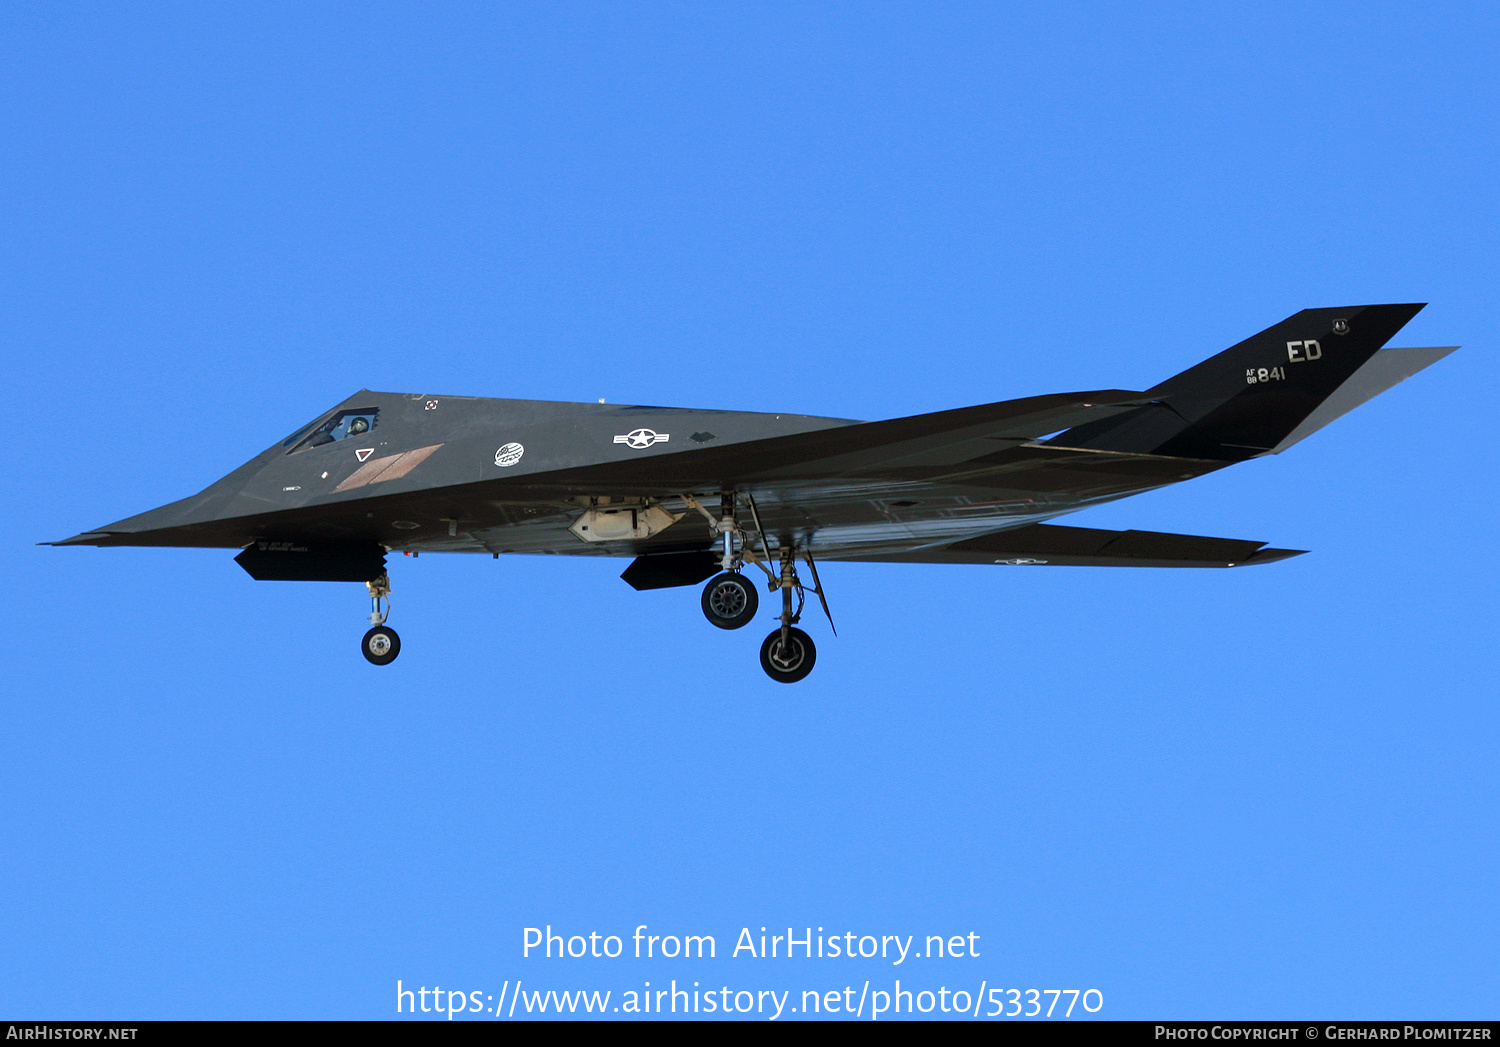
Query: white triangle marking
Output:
(364,452)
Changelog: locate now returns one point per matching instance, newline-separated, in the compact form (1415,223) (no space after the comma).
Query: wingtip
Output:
(1270,556)
(86,538)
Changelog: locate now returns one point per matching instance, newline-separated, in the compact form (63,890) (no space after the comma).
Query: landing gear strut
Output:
(729,601)
(381,644)
(788,654)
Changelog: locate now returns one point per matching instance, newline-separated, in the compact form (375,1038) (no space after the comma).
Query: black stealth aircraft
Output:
(693,494)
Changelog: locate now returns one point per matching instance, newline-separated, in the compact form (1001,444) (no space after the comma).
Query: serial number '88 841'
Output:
(1264,374)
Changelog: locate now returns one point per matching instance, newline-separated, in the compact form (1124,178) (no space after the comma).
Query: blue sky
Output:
(1255,793)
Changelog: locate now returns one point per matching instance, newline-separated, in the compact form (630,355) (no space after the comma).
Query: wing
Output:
(1050,544)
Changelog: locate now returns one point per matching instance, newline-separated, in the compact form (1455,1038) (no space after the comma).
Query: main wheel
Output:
(381,645)
(789,663)
(729,601)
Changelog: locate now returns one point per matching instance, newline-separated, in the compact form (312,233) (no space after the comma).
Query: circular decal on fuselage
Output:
(509,455)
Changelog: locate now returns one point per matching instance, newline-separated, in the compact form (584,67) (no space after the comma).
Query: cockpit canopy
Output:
(341,426)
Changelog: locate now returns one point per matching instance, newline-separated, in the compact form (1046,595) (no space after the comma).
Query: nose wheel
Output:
(381,644)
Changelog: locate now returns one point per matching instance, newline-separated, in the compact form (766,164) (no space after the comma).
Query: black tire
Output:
(801,654)
(381,645)
(729,601)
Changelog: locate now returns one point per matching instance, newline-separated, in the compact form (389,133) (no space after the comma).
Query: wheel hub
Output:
(728,601)
(779,655)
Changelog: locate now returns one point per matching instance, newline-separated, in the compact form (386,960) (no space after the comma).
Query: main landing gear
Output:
(381,644)
(788,654)
(730,601)
(788,658)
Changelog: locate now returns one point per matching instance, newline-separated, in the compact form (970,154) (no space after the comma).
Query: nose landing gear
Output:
(381,644)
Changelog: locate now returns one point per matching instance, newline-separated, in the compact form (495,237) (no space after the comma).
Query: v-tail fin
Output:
(1256,397)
